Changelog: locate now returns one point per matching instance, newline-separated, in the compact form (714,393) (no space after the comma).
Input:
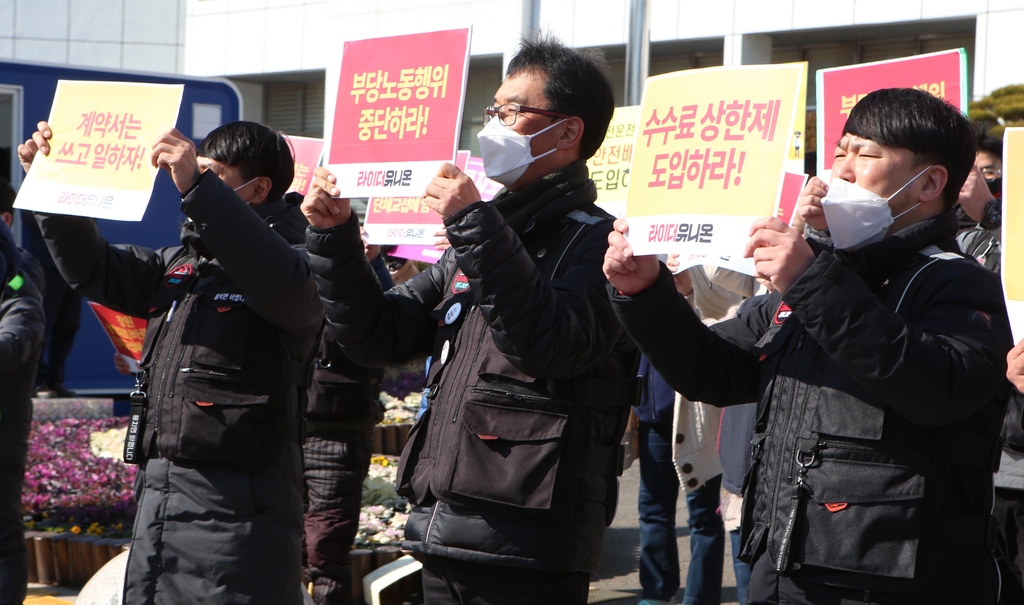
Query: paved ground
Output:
(618,572)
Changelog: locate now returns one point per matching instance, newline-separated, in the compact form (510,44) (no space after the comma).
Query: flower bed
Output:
(75,480)
(384,513)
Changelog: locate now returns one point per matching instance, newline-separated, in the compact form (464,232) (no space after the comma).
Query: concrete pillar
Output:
(747,49)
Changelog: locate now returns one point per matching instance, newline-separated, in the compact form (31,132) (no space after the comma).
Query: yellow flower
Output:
(30,524)
(119,527)
(76,530)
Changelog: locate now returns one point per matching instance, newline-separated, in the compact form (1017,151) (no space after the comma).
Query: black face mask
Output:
(995,186)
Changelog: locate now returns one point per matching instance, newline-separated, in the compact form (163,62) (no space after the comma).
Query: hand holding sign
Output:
(176,154)
(781,255)
(450,191)
(322,210)
(40,141)
(628,273)
(808,206)
(1015,366)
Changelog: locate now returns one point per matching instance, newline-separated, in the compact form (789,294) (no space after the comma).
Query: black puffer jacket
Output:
(21,340)
(233,322)
(881,372)
(515,461)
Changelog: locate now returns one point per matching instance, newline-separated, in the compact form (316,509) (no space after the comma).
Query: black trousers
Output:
(451,582)
(13,554)
(336,463)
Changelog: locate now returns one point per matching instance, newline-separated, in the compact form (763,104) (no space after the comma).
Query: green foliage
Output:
(1001,108)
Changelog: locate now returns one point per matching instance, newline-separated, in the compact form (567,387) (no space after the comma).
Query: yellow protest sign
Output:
(609,166)
(1012,263)
(100,154)
(709,158)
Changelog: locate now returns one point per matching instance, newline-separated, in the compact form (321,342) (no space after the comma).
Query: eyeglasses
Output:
(990,173)
(508,113)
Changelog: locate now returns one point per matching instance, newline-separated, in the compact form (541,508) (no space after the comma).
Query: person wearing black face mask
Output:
(234,320)
(982,242)
(980,209)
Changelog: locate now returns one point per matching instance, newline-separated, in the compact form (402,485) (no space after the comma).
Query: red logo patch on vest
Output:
(835,507)
(783,313)
(177,276)
(460,284)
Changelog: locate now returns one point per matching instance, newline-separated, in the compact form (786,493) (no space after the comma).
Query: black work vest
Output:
(221,387)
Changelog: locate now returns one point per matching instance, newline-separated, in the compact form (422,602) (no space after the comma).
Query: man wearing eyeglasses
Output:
(511,471)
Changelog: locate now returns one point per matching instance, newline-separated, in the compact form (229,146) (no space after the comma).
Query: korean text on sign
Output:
(100,160)
(609,166)
(397,112)
(708,158)
(381,123)
(113,143)
(731,121)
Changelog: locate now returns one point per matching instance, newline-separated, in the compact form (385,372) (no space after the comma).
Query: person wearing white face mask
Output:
(511,468)
(878,363)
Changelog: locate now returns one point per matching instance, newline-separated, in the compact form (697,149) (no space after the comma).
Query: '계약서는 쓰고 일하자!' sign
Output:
(397,113)
(100,154)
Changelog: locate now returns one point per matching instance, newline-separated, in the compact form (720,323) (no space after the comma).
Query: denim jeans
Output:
(741,569)
(659,555)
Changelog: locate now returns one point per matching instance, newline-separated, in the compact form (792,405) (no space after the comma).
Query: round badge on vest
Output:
(445,348)
(453,313)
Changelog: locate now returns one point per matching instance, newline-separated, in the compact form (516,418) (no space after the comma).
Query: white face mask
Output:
(246,185)
(857,217)
(506,153)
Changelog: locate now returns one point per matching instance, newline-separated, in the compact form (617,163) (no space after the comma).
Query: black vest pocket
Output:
(507,455)
(864,514)
(224,422)
(220,333)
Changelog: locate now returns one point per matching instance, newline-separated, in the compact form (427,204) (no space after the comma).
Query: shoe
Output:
(654,602)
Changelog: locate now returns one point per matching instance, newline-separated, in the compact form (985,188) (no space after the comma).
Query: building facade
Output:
(281,53)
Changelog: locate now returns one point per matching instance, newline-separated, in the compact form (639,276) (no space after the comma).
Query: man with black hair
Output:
(511,470)
(21,340)
(234,320)
(980,206)
(878,363)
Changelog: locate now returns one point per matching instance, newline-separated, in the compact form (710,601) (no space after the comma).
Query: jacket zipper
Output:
(465,368)
(170,356)
(181,329)
(513,395)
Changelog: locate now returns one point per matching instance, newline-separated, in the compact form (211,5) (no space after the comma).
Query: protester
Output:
(878,364)
(344,406)
(234,320)
(511,471)
(979,202)
(677,440)
(63,308)
(21,340)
